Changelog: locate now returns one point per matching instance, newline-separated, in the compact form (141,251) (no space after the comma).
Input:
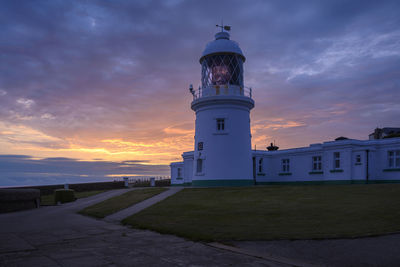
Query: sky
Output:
(99,88)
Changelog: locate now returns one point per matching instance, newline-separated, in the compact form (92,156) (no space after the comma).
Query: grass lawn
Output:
(275,212)
(112,205)
(48,200)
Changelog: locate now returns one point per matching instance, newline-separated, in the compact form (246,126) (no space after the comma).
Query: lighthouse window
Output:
(179,172)
(200,146)
(260,165)
(220,124)
(199,167)
(222,69)
(220,75)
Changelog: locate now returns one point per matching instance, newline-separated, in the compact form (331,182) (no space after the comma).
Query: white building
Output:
(222,153)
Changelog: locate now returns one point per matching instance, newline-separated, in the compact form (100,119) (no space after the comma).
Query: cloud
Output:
(26,103)
(20,169)
(108,80)
(181,129)
(19,133)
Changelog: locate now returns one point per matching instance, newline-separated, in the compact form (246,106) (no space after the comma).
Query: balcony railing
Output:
(222,90)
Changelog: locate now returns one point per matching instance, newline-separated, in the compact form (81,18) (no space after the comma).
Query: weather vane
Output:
(226,27)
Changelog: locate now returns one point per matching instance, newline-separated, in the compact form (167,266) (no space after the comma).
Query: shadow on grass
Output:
(48,200)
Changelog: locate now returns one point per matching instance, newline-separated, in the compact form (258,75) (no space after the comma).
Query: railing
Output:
(133,179)
(143,181)
(222,90)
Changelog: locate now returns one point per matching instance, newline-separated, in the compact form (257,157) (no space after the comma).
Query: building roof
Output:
(388,130)
(222,44)
(382,132)
(364,144)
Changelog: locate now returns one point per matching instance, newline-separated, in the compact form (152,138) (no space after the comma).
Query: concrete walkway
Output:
(367,251)
(118,216)
(58,236)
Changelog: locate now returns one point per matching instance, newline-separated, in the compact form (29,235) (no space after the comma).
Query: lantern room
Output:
(222,62)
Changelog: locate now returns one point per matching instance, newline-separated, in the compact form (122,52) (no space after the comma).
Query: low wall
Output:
(19,199)
(49,189)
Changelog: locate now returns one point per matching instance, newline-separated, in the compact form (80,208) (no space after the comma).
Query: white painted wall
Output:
(226,154)
(188,167)
(301,162)
(175,180)
(380,159)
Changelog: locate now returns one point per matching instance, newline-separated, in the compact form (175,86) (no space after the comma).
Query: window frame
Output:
(220,124)
(260,165)
(285,164)
(336,160)
(200,146)
(316,164)
(393,159)
(358,158)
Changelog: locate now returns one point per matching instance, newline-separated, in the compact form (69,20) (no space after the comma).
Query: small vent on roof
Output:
(272,147)
(341,138)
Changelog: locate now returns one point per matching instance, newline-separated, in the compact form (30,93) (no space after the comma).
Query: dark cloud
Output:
(82,72)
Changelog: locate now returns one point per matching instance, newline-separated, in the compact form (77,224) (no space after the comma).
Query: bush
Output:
(19,199)
(64,195)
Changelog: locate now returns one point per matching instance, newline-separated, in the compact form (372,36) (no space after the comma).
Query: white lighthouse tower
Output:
(222,154)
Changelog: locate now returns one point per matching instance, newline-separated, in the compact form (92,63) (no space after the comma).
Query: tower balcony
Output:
(222,94)
(222,90)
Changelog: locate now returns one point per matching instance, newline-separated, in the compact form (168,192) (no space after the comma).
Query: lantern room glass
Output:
(222,69)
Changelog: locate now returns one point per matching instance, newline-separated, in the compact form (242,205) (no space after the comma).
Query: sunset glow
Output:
(107,82)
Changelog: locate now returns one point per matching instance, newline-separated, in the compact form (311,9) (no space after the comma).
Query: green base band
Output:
(338,182)
(392,170)
(251,182)
(184,184)
(222,182)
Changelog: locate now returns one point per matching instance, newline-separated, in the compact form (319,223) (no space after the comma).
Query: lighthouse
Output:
(222,153)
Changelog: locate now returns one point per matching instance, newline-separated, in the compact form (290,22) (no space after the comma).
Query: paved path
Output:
(58,236)
(118,216)
(368,251)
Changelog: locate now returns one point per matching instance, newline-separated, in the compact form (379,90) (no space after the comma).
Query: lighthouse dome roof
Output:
(221,45)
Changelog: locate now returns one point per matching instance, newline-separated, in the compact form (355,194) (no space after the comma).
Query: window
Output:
(260,165)
(220,124)
(222,69)
(394,159)
(200,146)
(358,158)
(199,167)
(336,160)
(317,163)
(285,165)
(179,172)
